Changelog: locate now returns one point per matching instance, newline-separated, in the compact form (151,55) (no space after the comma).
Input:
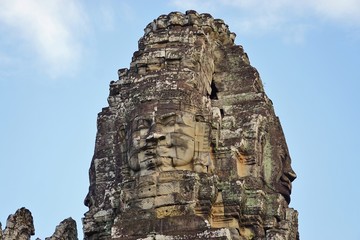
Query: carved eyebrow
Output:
(170,117)
(145,118)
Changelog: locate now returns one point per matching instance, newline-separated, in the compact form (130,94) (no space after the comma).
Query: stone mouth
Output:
(285,181)
(285,187)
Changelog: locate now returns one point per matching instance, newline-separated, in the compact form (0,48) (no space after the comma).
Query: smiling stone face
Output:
(164,139)
(262,153)
(288,175)
(278,173)
(190,142)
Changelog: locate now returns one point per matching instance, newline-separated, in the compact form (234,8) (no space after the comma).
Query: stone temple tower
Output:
(189,146)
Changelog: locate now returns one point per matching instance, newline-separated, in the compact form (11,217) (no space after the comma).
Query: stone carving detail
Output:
(65,230)
(189,146)
(19,226)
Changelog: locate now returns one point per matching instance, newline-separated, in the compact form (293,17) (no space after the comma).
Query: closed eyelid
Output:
(166,118)
(169,120)
(142,123)
(167,115)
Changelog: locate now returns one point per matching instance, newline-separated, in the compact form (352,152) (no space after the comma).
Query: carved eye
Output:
(143,124)
(169,120)
(199,118)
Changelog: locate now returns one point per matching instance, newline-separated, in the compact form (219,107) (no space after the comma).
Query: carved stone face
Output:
(279,175)
(263,153)
(163,140)
(283,184)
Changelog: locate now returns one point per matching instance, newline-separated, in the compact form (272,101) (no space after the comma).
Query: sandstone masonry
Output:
(188,148)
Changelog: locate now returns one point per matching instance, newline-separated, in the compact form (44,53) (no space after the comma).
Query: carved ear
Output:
(202,159)
(122,133)
(202,135)
(216,120)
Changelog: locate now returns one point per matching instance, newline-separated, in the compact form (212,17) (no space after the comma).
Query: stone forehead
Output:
(165,63)
(161,107)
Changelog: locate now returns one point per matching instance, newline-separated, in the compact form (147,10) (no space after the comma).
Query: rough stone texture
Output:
(19,226)
(1,232)
(189,146)
(66,230)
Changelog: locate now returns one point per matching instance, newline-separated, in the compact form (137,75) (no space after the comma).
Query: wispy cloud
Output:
(53,28)
(344,11)
(107,16)
(290,18)
(198,5)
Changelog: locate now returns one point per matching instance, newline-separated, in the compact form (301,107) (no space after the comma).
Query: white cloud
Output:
(53,28)
(343,11)
(107,16)
(289,18)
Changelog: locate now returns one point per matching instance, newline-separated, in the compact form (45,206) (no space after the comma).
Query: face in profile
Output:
(283,182)
(278,173)
(161,140)
(265,155)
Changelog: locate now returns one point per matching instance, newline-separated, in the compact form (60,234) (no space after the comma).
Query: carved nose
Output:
(291,175)
(155,137)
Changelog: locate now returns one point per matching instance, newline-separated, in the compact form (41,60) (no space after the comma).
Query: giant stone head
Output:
(190,142)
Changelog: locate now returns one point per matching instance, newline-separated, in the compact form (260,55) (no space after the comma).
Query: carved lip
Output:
(285,187)
(149,153)
(148,158)
(286,183)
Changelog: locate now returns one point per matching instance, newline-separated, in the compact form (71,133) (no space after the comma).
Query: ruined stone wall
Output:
(189,146)
(20,226)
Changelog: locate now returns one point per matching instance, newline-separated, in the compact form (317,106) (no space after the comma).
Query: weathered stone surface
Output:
(19,226)
(66,230)
(1,232)
(189,146)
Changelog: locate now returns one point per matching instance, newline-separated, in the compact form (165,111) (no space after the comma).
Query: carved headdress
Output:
(190,145)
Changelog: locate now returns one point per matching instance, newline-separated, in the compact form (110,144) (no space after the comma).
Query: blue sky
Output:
(57,58)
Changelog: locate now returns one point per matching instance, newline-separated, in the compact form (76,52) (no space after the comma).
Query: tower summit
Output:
(189,146)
